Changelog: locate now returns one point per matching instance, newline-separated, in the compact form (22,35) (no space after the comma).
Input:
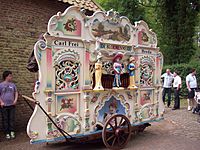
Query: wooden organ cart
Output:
(99,76)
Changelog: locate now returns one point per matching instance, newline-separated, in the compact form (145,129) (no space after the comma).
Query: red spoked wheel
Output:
(116,132)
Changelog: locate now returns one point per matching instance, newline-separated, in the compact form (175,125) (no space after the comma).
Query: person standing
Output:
(167,85)
(8,100)
(177,86)
(191,83)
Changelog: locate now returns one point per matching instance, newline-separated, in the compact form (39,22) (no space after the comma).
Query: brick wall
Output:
(21,22)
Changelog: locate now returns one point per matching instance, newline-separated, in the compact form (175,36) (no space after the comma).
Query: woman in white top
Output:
(191,83)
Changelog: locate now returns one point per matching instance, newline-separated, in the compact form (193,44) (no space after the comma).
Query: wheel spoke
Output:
(118,141)
(114,141)
(116,131)
(122,140)
(125,123)
(115,122)
(111,126)
(112,136)
(123,137)
(120,123)
(110,131)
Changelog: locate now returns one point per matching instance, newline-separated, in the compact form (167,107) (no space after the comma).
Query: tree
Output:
(178,21)
(128,8)
(173,21)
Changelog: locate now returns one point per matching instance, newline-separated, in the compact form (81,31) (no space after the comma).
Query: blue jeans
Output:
(8,118)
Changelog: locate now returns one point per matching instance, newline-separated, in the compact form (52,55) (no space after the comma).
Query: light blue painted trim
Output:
(148,121)
(90,133)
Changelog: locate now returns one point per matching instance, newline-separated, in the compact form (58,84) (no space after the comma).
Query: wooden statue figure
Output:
(98,74)
(131,69)
(117,66)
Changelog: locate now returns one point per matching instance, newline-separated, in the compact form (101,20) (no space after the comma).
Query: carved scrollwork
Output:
(69,123)
(33,134)
(147,66)
(147,112)
(108,67)
(42,44)
(67,68)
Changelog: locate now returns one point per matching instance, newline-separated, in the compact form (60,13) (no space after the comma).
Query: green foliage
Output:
(178,20)
(173,21)
(184,70)
(136,10)
(128,8)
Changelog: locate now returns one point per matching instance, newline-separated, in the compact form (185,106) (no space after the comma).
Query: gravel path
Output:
(179,131)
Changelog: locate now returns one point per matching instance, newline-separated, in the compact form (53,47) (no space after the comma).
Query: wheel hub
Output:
(119,132)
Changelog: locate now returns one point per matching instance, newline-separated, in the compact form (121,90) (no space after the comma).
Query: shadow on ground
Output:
(179,131)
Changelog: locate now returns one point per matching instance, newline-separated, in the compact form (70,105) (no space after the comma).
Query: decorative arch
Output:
(145,35)
(111,99)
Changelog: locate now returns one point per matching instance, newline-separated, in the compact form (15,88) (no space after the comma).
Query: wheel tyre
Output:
(116,132)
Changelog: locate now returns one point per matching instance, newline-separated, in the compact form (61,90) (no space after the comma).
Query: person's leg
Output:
(12,118)
(189,104)
(12,121)
(175,98)
(178,106)
(190,97)
(169,97)
(5,121)
(163,95)
(193,103)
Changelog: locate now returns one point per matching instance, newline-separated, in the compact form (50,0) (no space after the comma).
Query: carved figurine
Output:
(98,74)
(131,69)
(117,66)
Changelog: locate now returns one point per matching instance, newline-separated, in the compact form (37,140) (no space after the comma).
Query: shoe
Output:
(193,110)
(12,134)
(8,136)
(189,108)
(174,108)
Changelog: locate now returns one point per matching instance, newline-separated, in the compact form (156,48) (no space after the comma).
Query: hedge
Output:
(184,70)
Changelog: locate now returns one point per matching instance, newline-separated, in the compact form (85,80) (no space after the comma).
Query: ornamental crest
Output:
(146,71)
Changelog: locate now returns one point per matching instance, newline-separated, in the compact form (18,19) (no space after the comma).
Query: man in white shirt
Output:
(191,83)
(177,87)
(167,85)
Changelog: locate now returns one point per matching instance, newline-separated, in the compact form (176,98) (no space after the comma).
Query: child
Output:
(8,100)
